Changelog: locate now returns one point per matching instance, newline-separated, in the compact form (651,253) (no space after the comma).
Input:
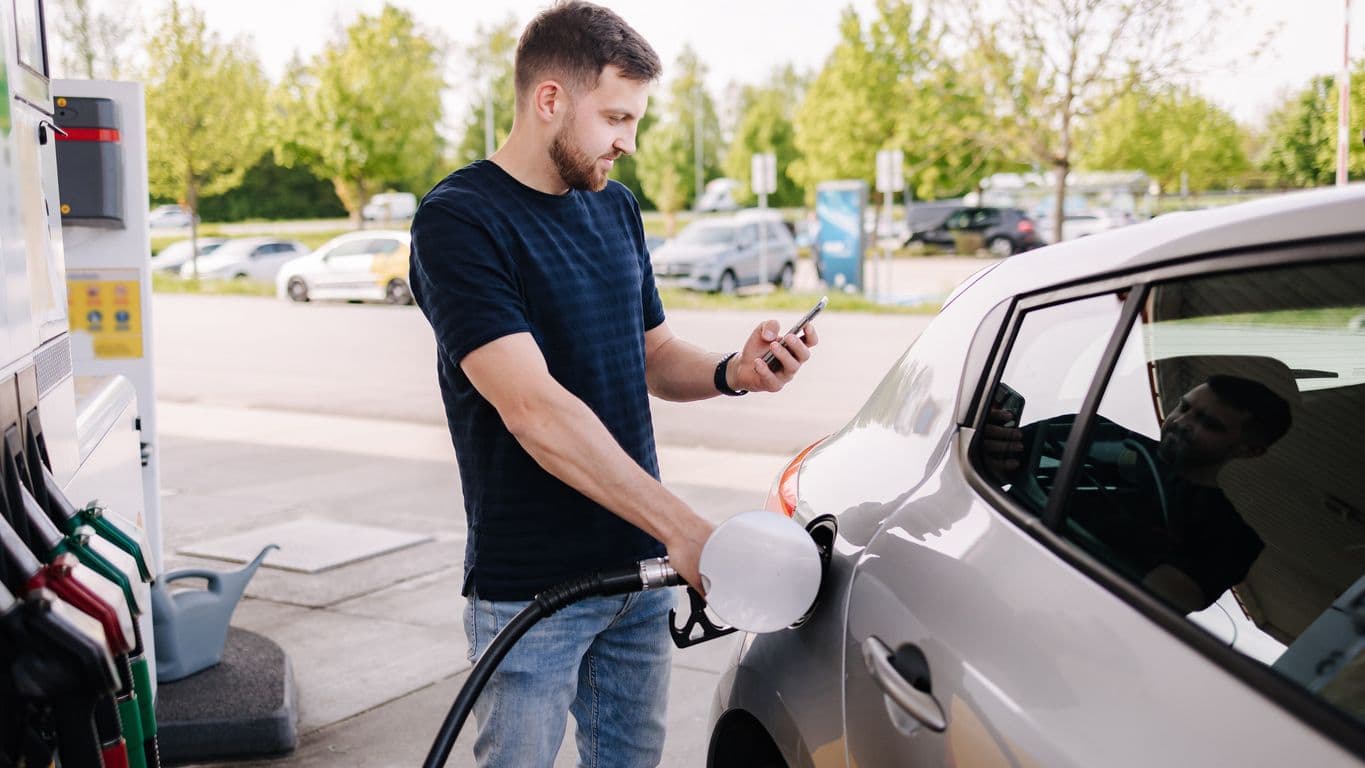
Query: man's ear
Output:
(548,100)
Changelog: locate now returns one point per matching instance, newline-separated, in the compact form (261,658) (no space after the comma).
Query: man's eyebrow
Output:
(624,114)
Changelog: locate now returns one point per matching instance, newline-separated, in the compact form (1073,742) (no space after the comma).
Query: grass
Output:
(164,283)
(785,301)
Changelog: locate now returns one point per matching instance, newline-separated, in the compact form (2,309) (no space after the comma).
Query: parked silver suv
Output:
(1108,509)
(726,252)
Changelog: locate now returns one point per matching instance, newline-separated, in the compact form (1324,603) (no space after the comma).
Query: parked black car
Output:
(1003,231)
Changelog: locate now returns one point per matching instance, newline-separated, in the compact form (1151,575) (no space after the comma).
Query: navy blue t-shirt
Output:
(493,257)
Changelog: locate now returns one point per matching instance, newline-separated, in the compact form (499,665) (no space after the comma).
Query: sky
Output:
(744,40)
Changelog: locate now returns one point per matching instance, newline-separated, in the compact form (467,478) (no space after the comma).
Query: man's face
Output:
(1205,431)
(599,126)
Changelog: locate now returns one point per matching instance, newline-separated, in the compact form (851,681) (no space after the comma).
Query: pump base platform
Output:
(245,707)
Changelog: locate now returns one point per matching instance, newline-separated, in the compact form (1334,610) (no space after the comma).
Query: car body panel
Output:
(357,266)
(758,241)
(255,258)
(1079,677)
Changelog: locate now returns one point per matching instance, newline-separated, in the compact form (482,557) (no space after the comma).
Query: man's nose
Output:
(625,145)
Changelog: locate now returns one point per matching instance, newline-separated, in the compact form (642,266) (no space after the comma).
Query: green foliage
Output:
(205,109)
(892,85)
(492,78)
(1164,133)
(364,112)
(1302,148)
(666,160)
(765,125)
(626,169)
(271,191)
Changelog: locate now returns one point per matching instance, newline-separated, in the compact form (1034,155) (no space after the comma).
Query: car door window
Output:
(1221,473)
(1052,361)
(985,218)
(748,235)
(958,220)
(381,247)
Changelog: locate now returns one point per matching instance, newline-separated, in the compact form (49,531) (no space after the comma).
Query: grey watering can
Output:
(191,625)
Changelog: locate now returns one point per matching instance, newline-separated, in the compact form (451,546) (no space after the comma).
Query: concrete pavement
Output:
(377,646)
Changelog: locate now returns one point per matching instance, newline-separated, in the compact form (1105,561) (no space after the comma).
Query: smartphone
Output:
(796,330)
(1006,398)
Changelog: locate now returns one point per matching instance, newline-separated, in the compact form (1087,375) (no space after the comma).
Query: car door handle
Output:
(904,677)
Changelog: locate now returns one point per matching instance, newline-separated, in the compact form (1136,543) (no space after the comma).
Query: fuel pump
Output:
(761,572)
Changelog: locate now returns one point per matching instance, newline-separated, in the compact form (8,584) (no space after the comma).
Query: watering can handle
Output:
(213,578)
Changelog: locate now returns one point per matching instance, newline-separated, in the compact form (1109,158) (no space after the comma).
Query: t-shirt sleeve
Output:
(463,281)
(650,303)
(1227,559)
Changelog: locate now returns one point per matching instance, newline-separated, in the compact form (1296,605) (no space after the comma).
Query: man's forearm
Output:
(682,372)
(567,439)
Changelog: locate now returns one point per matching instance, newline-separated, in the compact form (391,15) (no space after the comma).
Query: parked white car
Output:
(170,258)
(1086,223)
(361,266)
(1106,510)
(390,206)
(254,258)
(169,217)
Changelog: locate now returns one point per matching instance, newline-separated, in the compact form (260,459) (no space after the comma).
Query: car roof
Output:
(370,234)
(1283,218)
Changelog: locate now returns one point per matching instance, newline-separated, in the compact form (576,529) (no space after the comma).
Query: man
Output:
(1185,540)
(532,269)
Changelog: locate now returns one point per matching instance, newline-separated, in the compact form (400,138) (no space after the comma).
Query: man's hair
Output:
(1269,413)
(574,41)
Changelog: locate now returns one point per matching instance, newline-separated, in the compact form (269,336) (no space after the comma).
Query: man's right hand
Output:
(684,548)
(1002,447)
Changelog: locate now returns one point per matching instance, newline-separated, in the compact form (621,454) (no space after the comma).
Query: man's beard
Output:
(575,167)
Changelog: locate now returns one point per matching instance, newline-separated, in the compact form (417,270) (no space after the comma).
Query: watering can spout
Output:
(191,625)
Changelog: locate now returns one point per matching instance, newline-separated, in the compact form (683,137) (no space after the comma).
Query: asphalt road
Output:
(372,361)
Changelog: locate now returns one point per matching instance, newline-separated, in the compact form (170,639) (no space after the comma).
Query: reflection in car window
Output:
(1222,472)
(1049,370)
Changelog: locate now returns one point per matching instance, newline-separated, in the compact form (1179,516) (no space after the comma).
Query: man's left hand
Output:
(747,369)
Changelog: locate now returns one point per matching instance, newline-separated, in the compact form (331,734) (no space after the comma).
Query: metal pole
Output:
(1344,99)
(763,241)
(888,198)
(488,142)
(696,143)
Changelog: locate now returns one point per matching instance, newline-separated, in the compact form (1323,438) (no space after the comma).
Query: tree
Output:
(491,81)
(1046,65)
(92,42)
(364,112)
(891,85)
(1302,147)
(205,103)
(1168,134)
(667,161)
(626,169)
(765,125)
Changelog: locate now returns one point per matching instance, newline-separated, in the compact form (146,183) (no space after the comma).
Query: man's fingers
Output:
(768,381)
(798,349)
(810,338)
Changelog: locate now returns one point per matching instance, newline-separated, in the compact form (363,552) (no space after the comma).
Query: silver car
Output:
(724,253)
(1108,509)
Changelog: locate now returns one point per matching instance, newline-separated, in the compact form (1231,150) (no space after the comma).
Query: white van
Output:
(389,206)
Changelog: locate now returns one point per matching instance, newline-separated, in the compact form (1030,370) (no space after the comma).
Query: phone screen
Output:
(796,330)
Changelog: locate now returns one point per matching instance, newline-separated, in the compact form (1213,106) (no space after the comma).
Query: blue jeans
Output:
(606,659)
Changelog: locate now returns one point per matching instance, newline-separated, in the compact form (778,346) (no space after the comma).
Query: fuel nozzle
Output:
(761,571)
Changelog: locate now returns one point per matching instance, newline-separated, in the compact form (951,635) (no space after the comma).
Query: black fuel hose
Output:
(646,574)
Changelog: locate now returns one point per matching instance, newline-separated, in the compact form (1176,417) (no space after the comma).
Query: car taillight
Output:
(783,497)
(1025,226)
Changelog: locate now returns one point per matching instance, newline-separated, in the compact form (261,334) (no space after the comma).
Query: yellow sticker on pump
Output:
(110,310)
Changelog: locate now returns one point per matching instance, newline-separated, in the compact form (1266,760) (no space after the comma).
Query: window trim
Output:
(1332,723)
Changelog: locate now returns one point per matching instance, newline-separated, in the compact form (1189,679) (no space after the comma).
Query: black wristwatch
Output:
(723,386)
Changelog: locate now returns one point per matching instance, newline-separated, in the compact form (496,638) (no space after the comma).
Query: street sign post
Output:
(763,180)
(890,179)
